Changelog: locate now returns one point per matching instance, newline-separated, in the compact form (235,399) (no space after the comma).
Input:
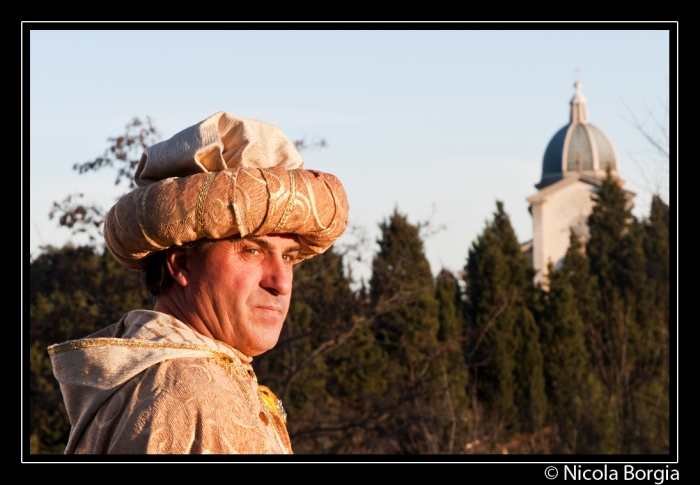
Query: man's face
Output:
(241,288)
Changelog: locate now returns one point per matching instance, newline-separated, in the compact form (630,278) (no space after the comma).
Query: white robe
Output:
(150,384)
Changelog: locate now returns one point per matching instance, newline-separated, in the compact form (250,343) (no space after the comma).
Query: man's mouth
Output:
(271,308)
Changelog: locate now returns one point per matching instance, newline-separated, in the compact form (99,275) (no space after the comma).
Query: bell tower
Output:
(573,168)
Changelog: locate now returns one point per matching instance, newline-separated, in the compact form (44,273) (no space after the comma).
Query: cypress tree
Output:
(577,404)
(652,404)
(626,337)
(455,373)
(504,351)
(607,250)
(530,394)
(406,326)
(577,269)
(401,289)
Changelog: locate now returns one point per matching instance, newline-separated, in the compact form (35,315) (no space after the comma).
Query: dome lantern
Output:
(578,106)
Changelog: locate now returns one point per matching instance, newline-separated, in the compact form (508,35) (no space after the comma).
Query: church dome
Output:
(577,148)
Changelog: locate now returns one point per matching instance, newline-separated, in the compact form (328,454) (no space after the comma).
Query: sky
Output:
(438,124)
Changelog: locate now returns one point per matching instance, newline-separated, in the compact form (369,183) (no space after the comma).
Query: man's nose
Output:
(278,276)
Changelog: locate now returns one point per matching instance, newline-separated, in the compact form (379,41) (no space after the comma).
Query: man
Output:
(222,211)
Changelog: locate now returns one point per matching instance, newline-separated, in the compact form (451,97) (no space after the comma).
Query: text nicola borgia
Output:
(658,475)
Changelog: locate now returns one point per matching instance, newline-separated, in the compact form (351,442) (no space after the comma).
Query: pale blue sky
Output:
(439,123)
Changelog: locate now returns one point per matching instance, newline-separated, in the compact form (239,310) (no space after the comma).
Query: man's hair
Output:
(157,278)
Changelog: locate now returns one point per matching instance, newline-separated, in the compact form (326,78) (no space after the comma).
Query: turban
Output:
(224,176)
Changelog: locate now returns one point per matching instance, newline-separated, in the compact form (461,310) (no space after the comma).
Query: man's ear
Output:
(176,261)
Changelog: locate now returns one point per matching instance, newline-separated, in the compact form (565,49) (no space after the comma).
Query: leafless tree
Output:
(123,154)
(654,163)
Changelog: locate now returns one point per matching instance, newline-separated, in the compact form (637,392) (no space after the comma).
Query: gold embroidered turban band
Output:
(224,176)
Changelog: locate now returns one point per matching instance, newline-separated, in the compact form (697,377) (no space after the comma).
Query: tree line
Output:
(480,362)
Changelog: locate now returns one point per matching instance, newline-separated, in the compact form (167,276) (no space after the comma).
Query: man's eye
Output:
(252,250)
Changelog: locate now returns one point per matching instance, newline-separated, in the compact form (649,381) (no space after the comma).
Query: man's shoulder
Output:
(181,405)
(191,375)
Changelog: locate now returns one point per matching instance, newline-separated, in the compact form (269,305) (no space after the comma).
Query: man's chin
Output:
(269,317)
(260,348)
(264,339)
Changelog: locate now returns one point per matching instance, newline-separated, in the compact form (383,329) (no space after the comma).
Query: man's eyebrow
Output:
(259,241)
(266,245)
